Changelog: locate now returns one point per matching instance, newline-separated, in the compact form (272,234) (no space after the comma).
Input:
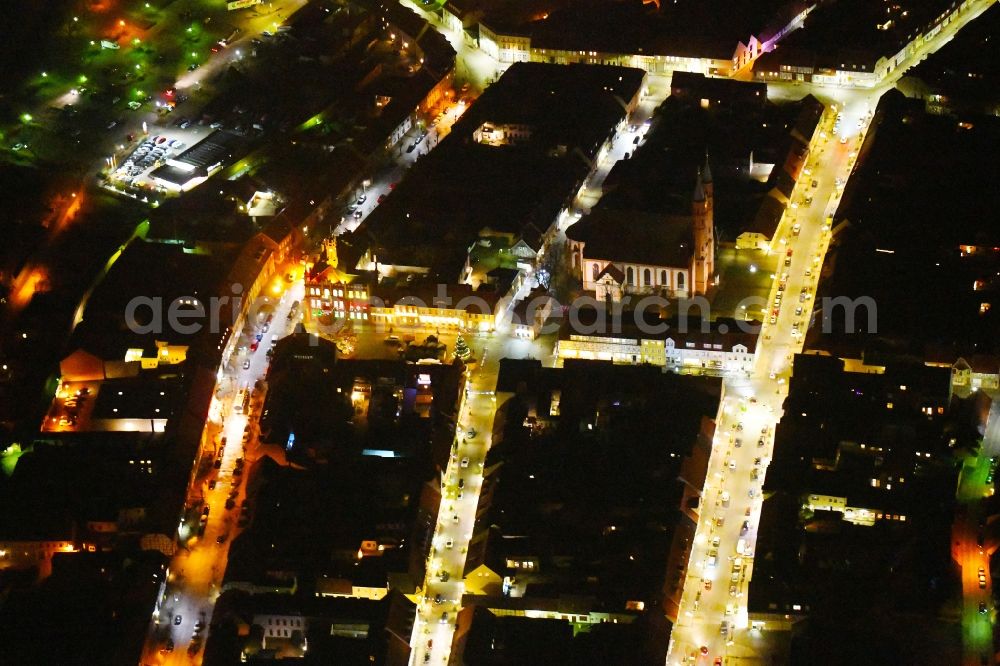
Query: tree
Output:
(462,351)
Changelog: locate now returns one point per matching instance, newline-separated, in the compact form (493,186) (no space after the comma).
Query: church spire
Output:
(706,171)
(699,189)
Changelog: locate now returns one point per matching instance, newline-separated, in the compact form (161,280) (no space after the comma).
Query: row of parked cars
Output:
(148,153)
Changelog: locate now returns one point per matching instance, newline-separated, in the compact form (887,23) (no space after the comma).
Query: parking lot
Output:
(148,154)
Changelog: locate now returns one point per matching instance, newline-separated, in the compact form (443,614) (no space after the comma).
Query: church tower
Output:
(704,230)
(330,251)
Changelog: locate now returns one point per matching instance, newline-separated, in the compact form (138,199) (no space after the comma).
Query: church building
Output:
(618,252)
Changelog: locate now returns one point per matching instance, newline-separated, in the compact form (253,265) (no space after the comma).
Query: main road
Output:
(713,624)
(179,624)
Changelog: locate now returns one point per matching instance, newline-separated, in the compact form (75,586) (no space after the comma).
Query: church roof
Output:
(638,237)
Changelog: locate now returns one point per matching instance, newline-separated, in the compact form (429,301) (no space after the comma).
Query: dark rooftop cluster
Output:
(585,463)
(958,79)
(463,187)
(857,518)
(734,124)
(920,215)
(699,30)
(852,35)
(338,408)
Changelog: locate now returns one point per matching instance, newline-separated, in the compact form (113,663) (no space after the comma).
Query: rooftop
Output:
(463,187)
(722,333)
(598,536)
(217,149)
(144,275)
(851,35)
(913,172)
(635,236)
(705,29)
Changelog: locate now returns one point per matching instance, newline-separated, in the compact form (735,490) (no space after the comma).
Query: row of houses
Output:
(659,43)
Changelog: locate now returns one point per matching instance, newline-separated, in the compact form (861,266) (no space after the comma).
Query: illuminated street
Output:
(971,552)
(197,570)
(471,232)
(713,622)
(443,588)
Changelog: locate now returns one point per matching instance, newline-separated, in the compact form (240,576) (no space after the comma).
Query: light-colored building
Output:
(529,314)
(445,307)
(979,372)
(716,348)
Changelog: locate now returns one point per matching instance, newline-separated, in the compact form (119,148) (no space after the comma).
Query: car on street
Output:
(177,620)
(211,484)
(982,607)
(246,364)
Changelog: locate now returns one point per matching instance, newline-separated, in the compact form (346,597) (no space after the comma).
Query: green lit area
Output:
(103,63)
(9,458)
